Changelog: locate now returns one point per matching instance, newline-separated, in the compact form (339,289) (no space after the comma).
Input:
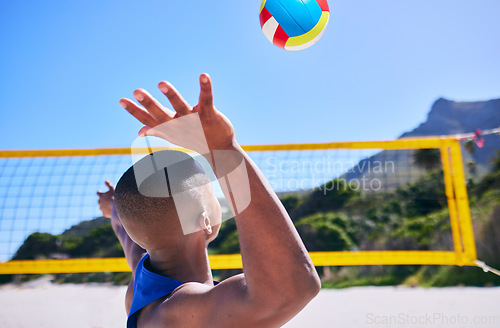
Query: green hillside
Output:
(94,238)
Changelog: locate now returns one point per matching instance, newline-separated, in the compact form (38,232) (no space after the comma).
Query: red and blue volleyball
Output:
(294,24)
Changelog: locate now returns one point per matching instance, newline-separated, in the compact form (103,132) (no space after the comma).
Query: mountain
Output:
(446,117)
(452,117)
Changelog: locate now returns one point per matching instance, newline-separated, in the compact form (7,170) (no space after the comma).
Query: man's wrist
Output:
(233,145)
(225,159)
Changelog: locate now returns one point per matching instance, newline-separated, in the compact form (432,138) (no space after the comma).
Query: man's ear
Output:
(205,223)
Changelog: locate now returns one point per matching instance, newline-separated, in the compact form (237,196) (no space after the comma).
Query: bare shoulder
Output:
(199,305)
(183,308)
(195,304)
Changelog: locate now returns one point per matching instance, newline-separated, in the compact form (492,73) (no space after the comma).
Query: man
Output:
(172,215)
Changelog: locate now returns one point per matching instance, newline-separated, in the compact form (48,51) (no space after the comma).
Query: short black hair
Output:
(144,193)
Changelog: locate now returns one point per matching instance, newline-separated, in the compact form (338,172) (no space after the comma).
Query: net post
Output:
(452,205)
(462,200)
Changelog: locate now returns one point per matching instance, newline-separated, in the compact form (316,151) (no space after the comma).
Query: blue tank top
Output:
(148,287)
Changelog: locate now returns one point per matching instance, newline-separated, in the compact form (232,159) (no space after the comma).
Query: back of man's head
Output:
(161,197)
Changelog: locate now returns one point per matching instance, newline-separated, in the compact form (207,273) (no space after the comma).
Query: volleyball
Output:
(294,24)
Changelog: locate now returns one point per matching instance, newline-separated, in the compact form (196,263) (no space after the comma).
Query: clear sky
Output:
(374,75)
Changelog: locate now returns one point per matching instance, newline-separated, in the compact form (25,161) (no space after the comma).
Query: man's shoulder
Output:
(194,304)
(188,292)
(186,306)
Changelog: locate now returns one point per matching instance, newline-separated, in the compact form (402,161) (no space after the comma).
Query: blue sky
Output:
(374,75)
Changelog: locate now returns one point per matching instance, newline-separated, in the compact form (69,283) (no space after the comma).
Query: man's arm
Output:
(279,278)
(133,252)
(279,275)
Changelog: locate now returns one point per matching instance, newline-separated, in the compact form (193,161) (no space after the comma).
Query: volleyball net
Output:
(355,203)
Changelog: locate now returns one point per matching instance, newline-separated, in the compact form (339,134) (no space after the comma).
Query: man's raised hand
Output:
(107,200)
(201,128)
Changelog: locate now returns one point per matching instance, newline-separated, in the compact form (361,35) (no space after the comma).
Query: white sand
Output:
(402,307)
(42,304)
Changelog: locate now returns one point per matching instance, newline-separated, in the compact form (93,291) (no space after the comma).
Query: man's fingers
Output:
(178,103)
(144,131)
(150,132)
(159,113)
(205,103)
(138,112)
(109,185)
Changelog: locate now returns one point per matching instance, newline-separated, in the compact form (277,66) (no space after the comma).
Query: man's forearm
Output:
(117,226)
(274,257)
(131,250)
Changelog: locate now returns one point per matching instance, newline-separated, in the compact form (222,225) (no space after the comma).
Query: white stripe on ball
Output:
(269,28)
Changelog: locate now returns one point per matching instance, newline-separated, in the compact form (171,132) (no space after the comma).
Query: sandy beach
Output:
(43,304)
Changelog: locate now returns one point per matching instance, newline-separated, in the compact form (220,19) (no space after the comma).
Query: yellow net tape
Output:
(233,261)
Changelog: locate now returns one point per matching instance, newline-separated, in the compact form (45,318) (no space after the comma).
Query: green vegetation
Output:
(98,241)
(428,159)
(93,238)
(323,231)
